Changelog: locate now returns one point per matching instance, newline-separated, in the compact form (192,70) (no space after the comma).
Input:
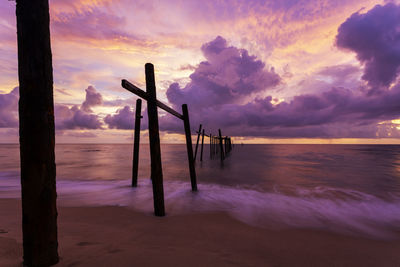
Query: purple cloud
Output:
(75,118)
(65,117)
(79,117)
(375,38)
(9,109)
(229,75)
(94,25)
(93,98)
(125,119)
(215,100)
(337,113)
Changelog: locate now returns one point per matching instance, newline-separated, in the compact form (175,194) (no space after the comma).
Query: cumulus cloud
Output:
(75,118)
(79,117)
(124,119)
(215,100)
(66,117)
(375,38)
(229,75)
(93,98)
(9,109)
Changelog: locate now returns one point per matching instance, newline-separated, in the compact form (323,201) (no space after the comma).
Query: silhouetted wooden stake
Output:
(136,142)
(210,145)
(225,147)
(154,138)
(202,144)
(36,131)
(221,147)
(197,142)
(188,135)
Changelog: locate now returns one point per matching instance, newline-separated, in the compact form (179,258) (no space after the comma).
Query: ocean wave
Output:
(324,208)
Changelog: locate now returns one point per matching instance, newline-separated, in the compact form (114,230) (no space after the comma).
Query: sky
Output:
(314,71)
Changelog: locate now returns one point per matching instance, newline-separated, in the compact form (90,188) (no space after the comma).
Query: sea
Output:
(348,189)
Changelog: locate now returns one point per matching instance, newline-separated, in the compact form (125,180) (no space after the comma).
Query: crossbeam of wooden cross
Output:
(139,92)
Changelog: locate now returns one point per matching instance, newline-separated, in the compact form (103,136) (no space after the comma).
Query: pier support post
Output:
(136,142)
(154,138)
(221,147)
(189,147)
(197,142)
(202,144)
(210,145)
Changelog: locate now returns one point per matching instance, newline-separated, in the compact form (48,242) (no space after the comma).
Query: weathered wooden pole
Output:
(221,147)
(136,142)
(225,146)
(197,142)
(216,146)
(36,132)
(202,144)
(210,145)
(154,138)
(189,147)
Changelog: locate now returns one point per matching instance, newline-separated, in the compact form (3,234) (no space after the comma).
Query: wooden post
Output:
(197,143)
(136,142)
(225,147)
(202,144)
(188,135)
(221,147)
(36,132)
(154,138)
(210,145)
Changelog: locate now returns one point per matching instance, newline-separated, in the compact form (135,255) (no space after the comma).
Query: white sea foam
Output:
(359,213)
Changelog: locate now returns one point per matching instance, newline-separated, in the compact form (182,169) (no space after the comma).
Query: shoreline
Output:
(117,236)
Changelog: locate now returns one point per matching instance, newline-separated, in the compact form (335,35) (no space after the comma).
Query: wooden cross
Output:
(154,137)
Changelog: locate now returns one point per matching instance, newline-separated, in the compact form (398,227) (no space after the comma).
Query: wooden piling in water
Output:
(189,147)
(136,142)
(202,144)
(210,145)
(154,138)
(221,147)
(197,142)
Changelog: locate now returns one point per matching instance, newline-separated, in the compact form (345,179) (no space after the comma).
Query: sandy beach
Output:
(117,236)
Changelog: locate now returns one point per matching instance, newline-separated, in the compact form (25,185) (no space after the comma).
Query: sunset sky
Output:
(263,71)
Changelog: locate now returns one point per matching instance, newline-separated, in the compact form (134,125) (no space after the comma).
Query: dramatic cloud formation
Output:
(76,117)
(279,75)
(216,100)
(229,75)
(124,119)
(93,98)
(9,109)
(375,38)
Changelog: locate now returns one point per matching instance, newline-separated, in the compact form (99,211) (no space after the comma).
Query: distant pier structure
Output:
(222,145)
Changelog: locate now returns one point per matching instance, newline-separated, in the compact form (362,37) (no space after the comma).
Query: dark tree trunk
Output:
(36,130)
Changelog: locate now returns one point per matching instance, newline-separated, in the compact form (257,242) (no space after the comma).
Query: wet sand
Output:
(117,236)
